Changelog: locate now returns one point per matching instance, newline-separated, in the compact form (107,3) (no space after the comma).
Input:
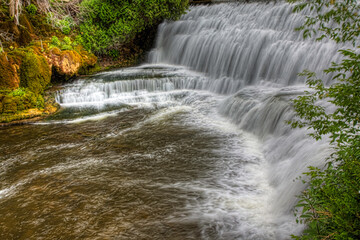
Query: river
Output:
(192,144)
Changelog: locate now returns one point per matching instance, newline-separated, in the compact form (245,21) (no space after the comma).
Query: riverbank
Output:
(27,72)
(44,46)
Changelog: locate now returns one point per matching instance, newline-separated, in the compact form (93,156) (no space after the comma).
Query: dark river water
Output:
(168,170)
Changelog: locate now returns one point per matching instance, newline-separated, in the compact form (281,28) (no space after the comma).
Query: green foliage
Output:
(55,41)
(334,19)
(31,9)
(114,53)
(65,44)
(65,24)
(330,206)
(109,24)
(67,41)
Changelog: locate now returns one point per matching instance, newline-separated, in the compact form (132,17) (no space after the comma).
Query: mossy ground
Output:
(49,106)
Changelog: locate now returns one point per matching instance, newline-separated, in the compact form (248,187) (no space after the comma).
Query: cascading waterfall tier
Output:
(248,43)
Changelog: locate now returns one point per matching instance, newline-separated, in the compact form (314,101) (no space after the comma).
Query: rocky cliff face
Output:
(30,63)
(33,69)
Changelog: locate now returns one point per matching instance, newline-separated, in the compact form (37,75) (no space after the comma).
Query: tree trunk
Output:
(15,7)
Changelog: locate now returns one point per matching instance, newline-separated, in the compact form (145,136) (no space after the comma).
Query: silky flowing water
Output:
(191,145)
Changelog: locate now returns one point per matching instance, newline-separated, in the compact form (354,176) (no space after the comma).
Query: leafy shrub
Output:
(31,9)
(55,41)
(65,23)
(65,44)
(330,206)
(109,24)
(67,41)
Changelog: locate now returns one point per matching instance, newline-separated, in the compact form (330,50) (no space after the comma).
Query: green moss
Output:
(90,69)
(26,99)
(26,31)
(23,104)
(18,54)
(9,104)
(1,104)
(41,27)
(40,102)
(19,100)
(34,73)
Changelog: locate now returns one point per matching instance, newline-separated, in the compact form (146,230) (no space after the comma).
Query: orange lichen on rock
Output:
(9,78)
(69,63)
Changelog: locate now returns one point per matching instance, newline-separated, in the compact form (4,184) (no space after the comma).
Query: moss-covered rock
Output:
(26,99)
(26,31)
(1,104)
(20,35)
(28,106)
(9,78)
(70,62)
(19,100)
(67,64)
(35,73)
(89,61)
(9,104)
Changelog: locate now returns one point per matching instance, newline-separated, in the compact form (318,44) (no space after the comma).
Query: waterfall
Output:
(248,43)
(250,55)
(254,55)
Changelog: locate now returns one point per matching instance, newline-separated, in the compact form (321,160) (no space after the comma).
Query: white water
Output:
(234,68)
(247,43)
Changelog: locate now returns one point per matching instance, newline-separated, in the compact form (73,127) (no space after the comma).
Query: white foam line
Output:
(13,189)
(96,117)
(158,116)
